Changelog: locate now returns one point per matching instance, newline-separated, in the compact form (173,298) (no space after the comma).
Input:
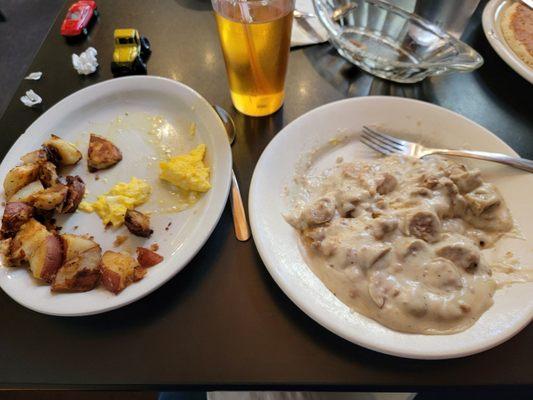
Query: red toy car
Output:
(78,17)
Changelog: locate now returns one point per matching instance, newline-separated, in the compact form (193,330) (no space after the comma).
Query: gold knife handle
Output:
(239,216)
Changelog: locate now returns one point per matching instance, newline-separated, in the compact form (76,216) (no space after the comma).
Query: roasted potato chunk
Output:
(118,270)
(34,157)
(80,271)
(42,249)
(48,174)
(64,152)
(49,199)
(47,258)
(15,215)
(76,190)
(19,177)
(148,258)
(139,273)
(102,153)
(24,194)
(26,241)
(138,223)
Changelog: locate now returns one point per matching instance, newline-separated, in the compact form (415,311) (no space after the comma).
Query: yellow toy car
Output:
(131,52)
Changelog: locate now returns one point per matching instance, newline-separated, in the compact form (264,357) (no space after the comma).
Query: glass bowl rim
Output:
(475,59)
(253,1)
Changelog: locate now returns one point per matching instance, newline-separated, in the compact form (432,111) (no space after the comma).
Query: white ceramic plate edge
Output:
(328,321)
(498,43)
(198,238)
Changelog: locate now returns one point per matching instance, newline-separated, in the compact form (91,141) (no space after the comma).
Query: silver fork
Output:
(387,144)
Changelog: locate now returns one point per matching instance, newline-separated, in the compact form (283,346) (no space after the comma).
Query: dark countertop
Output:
(223,322)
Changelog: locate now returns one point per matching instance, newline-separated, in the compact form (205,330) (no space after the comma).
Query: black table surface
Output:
(223,322)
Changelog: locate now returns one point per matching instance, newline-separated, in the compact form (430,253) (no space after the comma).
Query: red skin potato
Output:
(15,215)
(51,260)
(148,258)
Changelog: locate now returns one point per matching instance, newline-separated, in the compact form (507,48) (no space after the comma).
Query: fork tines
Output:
(381,142)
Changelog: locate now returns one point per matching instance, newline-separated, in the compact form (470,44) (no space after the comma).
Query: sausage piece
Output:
(348,200)
(381,227)
(462,254)
(407,247)
(441,274)
(483,199)
(465,180)
(319,212)
(386,183)
(424,225)
(370,255)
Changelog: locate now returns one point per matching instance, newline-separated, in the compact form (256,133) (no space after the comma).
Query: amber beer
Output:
(255,39)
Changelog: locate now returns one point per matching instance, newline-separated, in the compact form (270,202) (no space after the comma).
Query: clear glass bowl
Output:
(391,43)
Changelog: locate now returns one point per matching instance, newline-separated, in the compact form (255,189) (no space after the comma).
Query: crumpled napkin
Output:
(308,31)
(34,76)
(31,99)
(86,63)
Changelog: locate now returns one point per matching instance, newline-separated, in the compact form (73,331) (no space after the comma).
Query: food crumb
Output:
(168,226)
(339,160)
(96,177)
(76,227)
(154,247)
(192,129)
(119,240)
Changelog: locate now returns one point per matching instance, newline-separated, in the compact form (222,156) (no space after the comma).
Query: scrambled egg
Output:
(187,171)
(111,207)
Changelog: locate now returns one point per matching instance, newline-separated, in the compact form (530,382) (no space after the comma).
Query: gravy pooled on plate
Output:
(398,239)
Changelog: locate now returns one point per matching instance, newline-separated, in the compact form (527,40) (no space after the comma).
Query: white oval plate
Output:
(278,245)
(493,32)
(92,110)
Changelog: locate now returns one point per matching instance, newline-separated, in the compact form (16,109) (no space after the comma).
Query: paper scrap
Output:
(31,98)
(34,76)
(85,63)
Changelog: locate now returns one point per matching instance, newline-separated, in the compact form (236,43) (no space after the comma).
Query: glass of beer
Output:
(255,38)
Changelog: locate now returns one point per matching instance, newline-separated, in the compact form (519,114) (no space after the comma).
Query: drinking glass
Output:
(449,15)
(255,39)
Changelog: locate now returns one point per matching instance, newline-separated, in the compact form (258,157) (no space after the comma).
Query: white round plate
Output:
(277,241)
(493,32)
(119,109)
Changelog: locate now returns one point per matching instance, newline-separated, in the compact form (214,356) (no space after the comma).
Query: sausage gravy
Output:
(399,240)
